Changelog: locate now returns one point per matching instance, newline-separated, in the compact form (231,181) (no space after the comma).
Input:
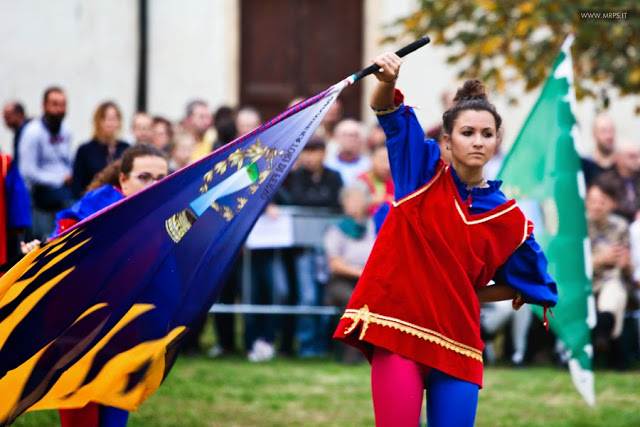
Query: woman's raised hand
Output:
(389,64)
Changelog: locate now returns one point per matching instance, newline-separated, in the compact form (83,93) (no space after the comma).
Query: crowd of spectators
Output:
(343,169)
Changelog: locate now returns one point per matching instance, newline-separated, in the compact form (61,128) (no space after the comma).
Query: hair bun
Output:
(471,89)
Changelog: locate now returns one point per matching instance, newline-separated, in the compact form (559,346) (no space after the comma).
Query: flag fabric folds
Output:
(543,171)
(98,314)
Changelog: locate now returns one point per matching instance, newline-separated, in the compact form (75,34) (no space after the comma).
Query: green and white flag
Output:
(543,172)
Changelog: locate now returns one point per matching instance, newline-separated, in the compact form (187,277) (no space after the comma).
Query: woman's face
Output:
(110,123)
(181,153)
(598,204)
(146,170)
(355,204)
(160,138)
(473,139)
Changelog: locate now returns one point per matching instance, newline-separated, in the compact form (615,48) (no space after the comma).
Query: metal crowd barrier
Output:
(295,226)
(275,309)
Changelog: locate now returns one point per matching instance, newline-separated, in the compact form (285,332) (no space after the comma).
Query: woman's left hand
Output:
(25,248)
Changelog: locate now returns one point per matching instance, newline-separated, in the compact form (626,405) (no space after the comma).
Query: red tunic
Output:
(5,163)
(416,296)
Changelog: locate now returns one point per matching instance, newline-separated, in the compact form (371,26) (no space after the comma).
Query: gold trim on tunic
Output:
(420,190)
(366,317)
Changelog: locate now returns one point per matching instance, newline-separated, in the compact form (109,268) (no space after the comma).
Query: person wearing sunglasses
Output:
(139,167)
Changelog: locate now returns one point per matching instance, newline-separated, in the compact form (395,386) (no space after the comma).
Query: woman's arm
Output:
(526,273)
(383,92)
(413,160)
(495,293)
(340,267)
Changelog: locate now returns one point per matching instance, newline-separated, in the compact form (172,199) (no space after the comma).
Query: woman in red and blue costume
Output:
(140,166)
(415,313)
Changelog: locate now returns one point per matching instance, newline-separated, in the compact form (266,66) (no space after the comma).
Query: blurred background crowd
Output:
(344,169)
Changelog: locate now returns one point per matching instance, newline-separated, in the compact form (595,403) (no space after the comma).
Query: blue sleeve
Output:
(91,203)
(526,272)
(413,160)
(380,215)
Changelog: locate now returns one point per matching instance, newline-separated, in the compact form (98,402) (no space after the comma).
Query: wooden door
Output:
(297,48)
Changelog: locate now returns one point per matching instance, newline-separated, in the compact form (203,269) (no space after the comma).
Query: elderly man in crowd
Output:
(351,159)
(602,160)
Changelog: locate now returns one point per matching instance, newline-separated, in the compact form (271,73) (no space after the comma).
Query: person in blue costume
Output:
(415,310)
(139,167)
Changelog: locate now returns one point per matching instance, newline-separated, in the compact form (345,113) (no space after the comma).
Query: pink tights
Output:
(397,386)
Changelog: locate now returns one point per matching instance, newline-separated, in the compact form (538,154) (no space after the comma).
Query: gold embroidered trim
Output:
(479,221)
(367,318)
(386,110)
(420,190)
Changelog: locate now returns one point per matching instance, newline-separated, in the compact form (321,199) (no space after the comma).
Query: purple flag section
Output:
(98,314)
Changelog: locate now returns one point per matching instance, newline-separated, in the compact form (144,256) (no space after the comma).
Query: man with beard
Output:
(46,162)
(604,133)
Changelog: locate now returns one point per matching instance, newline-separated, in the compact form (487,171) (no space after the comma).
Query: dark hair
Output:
(191,105)
(471,96)
(18,108)
(108,175)
(315,143)
(607,186)
(226,127)
(138,150)
(222,115)
(49,90)
(166,122)
(111,173)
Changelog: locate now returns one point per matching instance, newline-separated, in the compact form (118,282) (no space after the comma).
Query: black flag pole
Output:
(402,52)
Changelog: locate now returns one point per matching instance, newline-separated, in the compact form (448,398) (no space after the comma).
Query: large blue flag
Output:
(98,314)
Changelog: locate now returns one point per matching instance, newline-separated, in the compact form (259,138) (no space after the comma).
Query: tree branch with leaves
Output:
(512,44)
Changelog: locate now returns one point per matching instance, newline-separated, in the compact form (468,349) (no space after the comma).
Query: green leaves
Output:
(508,43)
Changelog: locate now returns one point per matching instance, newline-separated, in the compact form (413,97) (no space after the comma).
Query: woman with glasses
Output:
(139,167)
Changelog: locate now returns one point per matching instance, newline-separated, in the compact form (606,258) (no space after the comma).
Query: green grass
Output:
(234,392)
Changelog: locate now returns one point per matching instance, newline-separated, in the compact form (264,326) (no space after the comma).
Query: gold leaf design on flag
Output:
(227,213)
(270,155)
(241,202)
(263,175)
(220,167)
(255,151)
(237,158)
(251,154)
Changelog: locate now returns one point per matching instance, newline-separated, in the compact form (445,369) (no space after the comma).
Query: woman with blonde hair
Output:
(101,150)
